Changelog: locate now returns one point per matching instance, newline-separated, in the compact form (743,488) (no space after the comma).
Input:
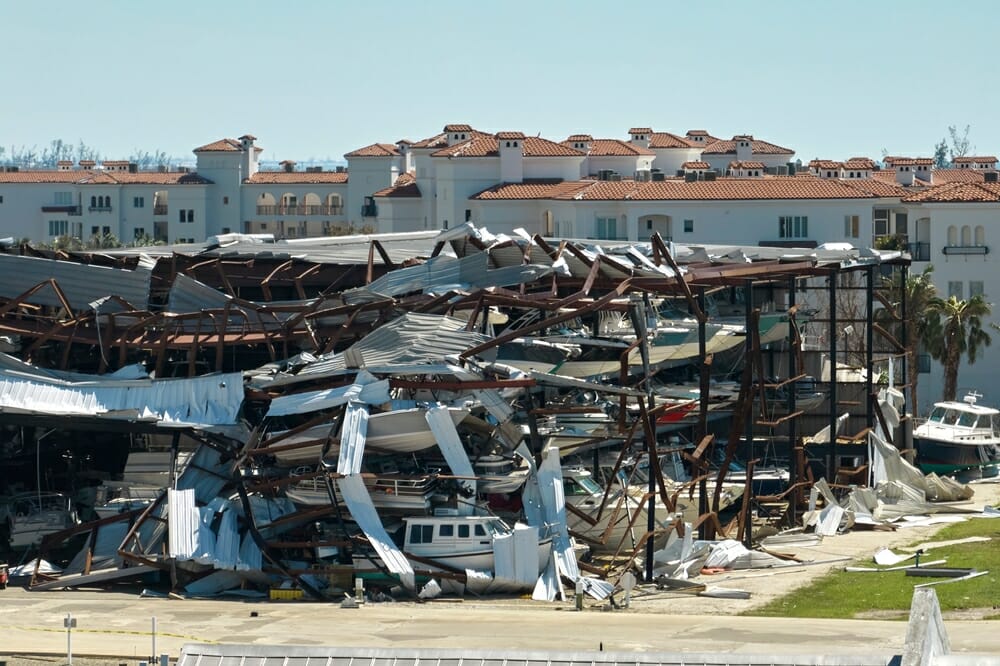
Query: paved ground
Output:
(118,624)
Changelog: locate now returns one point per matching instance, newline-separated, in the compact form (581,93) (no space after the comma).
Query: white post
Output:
(69,623)
(152,655)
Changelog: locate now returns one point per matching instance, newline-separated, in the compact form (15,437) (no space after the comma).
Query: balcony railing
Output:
(159,210)
(300,210)
(965,249)
(59,208)
(919,251)
(99,209)
(370,210)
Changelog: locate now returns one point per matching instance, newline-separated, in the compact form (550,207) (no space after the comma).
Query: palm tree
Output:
(961,332)
(919,291)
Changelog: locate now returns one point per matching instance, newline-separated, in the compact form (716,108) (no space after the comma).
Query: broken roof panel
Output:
(81,283)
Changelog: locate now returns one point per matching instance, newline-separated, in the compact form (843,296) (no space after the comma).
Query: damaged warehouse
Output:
(498,414)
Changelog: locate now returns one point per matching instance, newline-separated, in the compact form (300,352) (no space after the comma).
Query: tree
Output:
(919,291)
(941,160)
(960,332)
(959,143)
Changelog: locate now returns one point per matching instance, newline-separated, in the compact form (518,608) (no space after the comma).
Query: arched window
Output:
(93,202)
(952,235)
(966,235)
(980,236)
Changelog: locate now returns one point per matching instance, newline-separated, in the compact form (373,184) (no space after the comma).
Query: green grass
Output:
(844,595)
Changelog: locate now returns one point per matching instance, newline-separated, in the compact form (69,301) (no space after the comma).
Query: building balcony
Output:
(369,210)
(159,210)
(98,209)
(68,210)
(919,251)
(320,209)
(965,249)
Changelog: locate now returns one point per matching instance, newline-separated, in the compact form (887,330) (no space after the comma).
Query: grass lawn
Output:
(840,594)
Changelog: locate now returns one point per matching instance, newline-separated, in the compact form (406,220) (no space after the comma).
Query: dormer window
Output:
(515,144)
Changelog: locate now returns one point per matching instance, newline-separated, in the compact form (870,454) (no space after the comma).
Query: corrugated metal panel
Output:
(82,284)
(359,503)
(364,389)
(412,338)
(439,419)
(443,273)
(352,438)
(184,519)
(206,400)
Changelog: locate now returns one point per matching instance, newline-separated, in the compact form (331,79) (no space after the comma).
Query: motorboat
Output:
(497,474)
(34,515)
(959,437)
(389,492)
(444,542)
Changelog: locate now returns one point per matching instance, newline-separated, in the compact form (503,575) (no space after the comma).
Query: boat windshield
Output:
(995,422)
(580,485)
(967,419)
(937,415)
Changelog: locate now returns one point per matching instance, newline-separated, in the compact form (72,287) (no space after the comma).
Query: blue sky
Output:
(316,79)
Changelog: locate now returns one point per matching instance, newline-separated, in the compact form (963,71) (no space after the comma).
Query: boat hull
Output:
(942,457)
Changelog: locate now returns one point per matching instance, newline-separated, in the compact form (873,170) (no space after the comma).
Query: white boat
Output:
(959,438)
(34,515)
(497,475)
(457,542)
(398,431)
(388,492)
(122,497)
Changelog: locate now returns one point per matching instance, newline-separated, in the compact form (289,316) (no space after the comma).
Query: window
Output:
(94,230)
(468,215)
(187,215)
(64,198)
(446,530)
(225,230)
(966,235)
(463,531)
(225,201)
(952,235)
(106,230)
(881,220)
(980,236)
(688,226)
(93,202)
(852,226)
(138,202)
(796,226)
(421,534)
(1,198)
(607,228)
(955,289)
(976,288)
(138,232)
(58,228)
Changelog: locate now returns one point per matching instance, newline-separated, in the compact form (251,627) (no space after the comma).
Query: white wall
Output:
(367,175)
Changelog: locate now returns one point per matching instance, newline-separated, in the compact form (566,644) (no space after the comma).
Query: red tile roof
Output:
(579,137)
(441,140)
(405,187)
(668,140)
(486,145)
(696,165)
(722,189)
(908,161)
(611,148)
(510,135)
(104,177)
(862,163)
(965,159)
(746,165)
(64,163)
(458,128)
(958,193)
(957,176)
(537,189)
(375,150)
(756,147)
(641,130)
(297,178)
(220,146)
(825,164)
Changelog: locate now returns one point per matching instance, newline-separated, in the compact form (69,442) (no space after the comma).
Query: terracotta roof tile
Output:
(697,132)
(958,193)
(579,137)
(969,160)
(220,146)
(825,164)
(957,176)
(375,150)
(668,140)
(536,189)
(297,178)
(696,165)
(510,135)
(486,145)
(441,140)
(862,163)
(405,187)
(908,161)
(64,163)
(641,130)
(611,148)
(756,147)
(880,188)
(746,165)
(104,178)
(457,128)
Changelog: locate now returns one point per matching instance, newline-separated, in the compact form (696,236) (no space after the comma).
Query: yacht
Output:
(959,437)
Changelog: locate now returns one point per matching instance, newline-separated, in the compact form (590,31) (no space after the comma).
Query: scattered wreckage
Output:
(412,420)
